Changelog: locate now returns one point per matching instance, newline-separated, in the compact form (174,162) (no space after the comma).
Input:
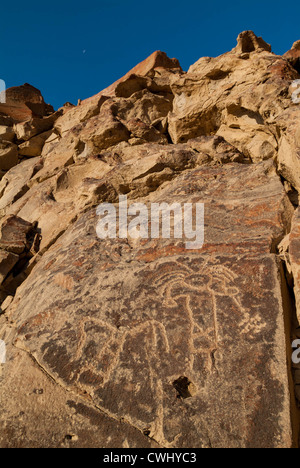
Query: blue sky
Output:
(71,50)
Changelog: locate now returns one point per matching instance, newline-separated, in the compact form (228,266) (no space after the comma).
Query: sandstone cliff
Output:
(140,342)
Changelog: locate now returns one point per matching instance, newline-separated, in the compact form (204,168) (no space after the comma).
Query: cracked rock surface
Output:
(141,342)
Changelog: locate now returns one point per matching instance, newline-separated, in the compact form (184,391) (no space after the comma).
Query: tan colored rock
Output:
(7,261)
(131,85)
(245,91)
(158,66)
(57,155)
(293,56)
(159,81)
(289,150)
(6,133)
(56,197)
(294,257)
(8,155)
(218,149)
(6,303)
(143,105)
(253,142)
(248,42)
(35,126)
(51,142)
(14,184)
(103,131)
(68,417)
(33,147)
(157,60)
(79,114)
(144,132)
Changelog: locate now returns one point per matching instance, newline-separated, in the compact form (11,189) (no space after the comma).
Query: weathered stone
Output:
(8,155)
(294,257)
(145,132)
(256,143)
(7,261)
(76,115)
(103,131)
(6,133)
(249,42)
(217,149)
(143,105)
(241,94)
(293,56)
(13,232)
(14,184)
(157,60)
(24,102)
(289,149)
(33,147)
(159,81)
(6,303)
(58,154)
(54,202)
(144,169)
(51,142)
(131,85)
(35,126)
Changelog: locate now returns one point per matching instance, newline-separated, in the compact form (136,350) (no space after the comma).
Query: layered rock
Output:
(142,342)
(23,102)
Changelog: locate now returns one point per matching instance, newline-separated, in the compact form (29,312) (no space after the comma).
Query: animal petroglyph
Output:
(181,325)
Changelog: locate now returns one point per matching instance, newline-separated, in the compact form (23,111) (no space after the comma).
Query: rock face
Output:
(24,102)
(141,342)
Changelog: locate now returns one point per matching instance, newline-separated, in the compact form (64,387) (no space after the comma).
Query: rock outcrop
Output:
(141,342)
(23,102)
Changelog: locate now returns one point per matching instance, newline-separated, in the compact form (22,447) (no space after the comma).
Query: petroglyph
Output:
(174,322)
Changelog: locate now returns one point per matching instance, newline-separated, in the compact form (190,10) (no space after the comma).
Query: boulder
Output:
(13,234)
(6,133)
(23,103)
(14,184)
(8,155)
(35,126)
(103,131)
(7,261)
(248,42)
(144,132)
(157,60)
(76,115)
(33,147)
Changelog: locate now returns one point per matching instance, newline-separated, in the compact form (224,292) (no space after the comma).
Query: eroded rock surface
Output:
(142,342)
